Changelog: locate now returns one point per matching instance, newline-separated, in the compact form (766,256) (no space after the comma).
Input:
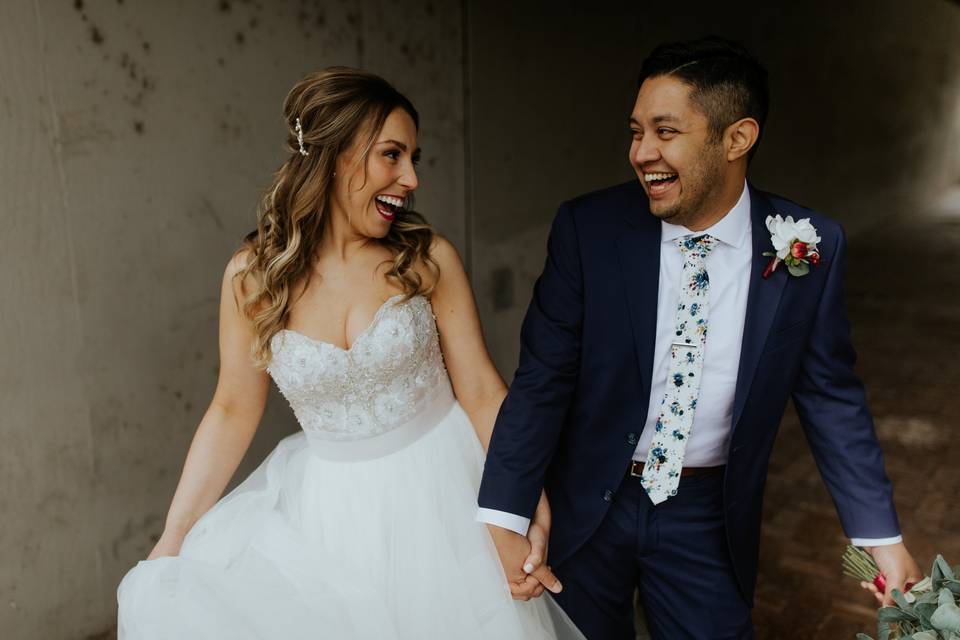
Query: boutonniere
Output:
(795,244)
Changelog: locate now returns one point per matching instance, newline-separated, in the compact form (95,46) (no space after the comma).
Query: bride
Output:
(362,524)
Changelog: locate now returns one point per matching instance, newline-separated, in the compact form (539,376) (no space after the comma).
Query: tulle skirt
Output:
(343,540)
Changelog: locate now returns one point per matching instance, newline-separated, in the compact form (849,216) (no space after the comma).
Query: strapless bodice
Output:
(391,374)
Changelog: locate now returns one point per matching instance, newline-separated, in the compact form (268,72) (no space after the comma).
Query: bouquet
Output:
(927,611)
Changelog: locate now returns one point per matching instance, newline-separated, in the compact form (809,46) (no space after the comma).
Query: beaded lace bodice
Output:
(390,373)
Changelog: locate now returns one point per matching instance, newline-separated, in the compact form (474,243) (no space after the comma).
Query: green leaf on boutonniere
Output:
(863,636)
(801,269)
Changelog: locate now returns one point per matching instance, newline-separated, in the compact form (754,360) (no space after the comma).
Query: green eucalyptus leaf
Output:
(798,270)
(945,597)
(953,585)
(897,596)
(883,631)
(946,617)
(924,610)
(893,614)
(945,568)
(863,636)
(925,635)
(936,574)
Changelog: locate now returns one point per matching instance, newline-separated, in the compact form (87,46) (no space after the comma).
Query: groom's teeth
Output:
(396,202)
(650,177)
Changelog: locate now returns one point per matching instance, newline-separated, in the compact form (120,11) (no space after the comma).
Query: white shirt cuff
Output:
(503,519)
(875,542)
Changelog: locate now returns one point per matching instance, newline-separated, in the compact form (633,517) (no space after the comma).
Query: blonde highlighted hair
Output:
(335,106)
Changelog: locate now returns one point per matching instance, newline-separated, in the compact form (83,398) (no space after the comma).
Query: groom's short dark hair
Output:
(727,82)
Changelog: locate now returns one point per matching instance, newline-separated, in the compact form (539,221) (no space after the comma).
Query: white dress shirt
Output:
(728,264)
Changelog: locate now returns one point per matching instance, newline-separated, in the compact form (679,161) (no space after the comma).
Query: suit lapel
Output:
(763,299)
(639,249)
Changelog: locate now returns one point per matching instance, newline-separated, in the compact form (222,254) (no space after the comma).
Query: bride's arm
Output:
(476,383)
(227,427)
(480,391)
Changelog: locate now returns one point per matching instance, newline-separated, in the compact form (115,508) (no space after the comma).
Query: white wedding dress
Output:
(359,527)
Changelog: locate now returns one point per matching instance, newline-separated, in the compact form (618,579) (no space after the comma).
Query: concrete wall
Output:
(135,140)
(865,121)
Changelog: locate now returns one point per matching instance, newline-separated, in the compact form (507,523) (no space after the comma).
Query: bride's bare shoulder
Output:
(447,262)
(239,261)
(238,277)
(445,254)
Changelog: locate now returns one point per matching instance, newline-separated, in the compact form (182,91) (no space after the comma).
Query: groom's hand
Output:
(514,551)
(898,568)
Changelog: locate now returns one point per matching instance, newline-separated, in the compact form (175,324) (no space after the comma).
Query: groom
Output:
(657,357)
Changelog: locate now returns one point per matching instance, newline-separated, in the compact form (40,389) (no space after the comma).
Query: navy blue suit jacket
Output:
(581,393)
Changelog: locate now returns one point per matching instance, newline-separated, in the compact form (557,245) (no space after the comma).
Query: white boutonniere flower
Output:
(795,244)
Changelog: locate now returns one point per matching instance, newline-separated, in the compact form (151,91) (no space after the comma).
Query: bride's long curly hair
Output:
(335,106)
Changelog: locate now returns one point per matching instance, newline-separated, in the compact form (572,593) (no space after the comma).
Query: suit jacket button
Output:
(608,496)
(632,439)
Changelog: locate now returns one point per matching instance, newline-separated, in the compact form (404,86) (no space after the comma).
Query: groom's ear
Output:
(740,137)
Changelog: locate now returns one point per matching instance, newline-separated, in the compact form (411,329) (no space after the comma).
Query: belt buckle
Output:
(636,468)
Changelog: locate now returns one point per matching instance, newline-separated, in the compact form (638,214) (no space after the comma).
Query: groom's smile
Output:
(658,183)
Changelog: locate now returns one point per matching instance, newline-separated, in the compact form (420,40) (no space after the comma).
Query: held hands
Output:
(523,557)
(898,568)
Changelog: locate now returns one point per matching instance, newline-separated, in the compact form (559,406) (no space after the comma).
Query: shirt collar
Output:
(731,229)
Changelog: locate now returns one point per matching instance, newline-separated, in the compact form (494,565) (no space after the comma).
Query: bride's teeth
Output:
(396,202)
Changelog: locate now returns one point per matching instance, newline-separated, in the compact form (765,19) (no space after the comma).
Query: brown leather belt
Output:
(636,469)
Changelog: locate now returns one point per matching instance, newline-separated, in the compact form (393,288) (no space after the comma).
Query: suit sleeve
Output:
(528,426)
(832,406)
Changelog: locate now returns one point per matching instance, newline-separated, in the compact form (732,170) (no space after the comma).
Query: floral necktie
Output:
(661,473)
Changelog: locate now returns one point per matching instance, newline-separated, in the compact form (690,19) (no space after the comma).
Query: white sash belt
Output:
(402,435)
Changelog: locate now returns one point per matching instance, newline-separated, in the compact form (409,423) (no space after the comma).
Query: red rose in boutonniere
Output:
(795,244)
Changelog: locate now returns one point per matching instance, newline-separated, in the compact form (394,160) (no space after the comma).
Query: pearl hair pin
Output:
(303,150)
